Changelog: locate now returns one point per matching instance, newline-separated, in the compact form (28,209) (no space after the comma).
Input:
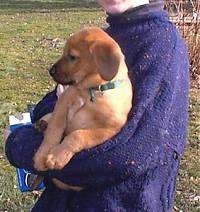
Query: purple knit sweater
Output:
(136,170)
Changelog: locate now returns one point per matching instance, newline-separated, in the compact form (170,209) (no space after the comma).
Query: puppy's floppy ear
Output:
(107,58)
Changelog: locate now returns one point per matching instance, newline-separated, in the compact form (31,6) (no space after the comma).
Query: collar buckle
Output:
(100,88)
(104,87)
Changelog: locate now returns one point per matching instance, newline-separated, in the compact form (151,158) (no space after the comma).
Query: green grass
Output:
(45,5)
(32,35)
(188,188)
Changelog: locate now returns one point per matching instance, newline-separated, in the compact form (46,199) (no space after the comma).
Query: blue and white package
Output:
(24,177)
(20,120)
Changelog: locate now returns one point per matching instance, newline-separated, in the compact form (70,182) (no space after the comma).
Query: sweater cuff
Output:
(21,146)
(8,149)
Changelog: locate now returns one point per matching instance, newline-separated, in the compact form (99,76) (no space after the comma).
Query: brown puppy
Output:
(95,105)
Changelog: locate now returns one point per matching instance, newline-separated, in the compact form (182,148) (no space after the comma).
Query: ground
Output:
(32,35)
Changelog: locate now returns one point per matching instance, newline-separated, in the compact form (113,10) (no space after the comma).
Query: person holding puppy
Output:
(137,169)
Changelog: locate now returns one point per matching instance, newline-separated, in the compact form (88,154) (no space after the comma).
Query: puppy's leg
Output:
(75,142)
(56,127)
(52,136)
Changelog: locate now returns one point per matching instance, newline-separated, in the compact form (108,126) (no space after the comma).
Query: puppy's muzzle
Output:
(59,76)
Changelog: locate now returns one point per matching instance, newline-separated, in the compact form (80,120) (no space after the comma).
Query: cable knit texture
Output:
(136,170)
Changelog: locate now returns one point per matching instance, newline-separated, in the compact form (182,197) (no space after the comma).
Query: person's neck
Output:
(130,5)
(139,3)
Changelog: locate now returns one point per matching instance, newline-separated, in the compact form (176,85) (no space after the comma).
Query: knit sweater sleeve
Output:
(23,142)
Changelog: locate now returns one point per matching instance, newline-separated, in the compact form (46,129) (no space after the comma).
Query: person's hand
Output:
(6,133)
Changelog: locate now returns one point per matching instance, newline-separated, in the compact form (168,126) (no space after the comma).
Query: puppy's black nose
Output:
(52,71)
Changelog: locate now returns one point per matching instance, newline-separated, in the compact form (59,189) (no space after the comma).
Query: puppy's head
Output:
(90,51)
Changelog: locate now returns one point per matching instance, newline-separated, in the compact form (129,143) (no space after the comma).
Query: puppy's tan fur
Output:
(90,58)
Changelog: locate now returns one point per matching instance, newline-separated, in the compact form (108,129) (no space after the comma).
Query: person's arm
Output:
(22,143)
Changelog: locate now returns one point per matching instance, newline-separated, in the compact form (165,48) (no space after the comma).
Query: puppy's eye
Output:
(71,58)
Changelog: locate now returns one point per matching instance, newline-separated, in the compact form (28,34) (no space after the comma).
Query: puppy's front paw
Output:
(58,158)
(40,160)
(39,163)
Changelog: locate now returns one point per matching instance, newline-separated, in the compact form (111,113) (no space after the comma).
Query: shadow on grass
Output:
(45,5)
